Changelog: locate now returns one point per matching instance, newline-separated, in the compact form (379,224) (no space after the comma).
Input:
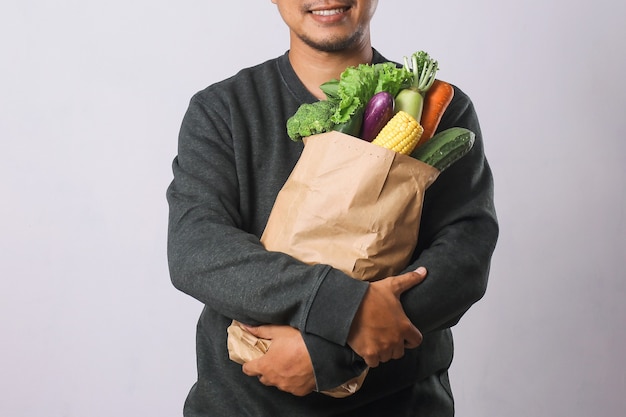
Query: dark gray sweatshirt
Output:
(233,158)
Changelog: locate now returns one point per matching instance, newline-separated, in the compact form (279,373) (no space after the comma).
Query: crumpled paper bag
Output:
(349,204)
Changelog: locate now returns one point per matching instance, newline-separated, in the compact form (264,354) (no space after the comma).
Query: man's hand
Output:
(287,364)
(381,330)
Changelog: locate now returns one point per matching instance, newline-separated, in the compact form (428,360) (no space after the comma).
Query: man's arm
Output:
(216,257)
(297,362)
(458,233)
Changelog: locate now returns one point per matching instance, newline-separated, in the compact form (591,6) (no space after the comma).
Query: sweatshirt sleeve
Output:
(214,252)
(458,232)
(333,364)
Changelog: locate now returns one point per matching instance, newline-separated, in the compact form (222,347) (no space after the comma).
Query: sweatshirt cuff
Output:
(333,364)
(334,306)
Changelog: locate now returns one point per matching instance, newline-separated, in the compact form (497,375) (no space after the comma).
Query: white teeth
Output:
(327,12)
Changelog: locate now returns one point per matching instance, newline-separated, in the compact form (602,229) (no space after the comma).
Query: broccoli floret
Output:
(311,119)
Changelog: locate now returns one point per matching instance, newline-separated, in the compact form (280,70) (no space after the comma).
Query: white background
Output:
(91,98)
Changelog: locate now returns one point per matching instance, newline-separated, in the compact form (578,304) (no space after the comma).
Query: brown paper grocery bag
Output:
(349,204)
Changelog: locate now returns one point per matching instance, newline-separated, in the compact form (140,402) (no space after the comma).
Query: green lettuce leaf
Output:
(357,85)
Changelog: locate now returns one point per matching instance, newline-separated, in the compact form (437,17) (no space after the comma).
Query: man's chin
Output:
(332,44)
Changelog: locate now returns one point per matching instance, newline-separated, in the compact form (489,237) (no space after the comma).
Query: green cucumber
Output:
(445,148)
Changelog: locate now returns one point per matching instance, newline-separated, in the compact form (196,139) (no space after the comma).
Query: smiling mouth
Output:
(331,12)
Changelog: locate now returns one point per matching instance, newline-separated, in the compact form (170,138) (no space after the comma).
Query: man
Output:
(234,156)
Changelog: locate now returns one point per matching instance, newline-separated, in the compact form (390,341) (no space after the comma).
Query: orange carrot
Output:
(436,102)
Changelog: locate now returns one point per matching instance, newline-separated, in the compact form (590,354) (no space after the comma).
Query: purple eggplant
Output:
(378,111)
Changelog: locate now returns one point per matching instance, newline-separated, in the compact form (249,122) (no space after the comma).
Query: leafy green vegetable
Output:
(331,89)
(311,119)
(358,84)
(392,79)
(424,69)
(346,99)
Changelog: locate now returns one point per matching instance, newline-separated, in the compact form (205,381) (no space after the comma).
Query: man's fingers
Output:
(413,338)
(398,353)
(375,360)
(372,362)
(251,368)
(404,282)
(262,332)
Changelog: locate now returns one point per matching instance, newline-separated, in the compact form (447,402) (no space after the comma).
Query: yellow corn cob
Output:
(400,134)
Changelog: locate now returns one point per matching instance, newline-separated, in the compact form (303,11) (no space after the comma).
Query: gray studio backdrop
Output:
(91,98)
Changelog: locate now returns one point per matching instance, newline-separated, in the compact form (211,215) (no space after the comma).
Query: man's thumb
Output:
(409,280)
